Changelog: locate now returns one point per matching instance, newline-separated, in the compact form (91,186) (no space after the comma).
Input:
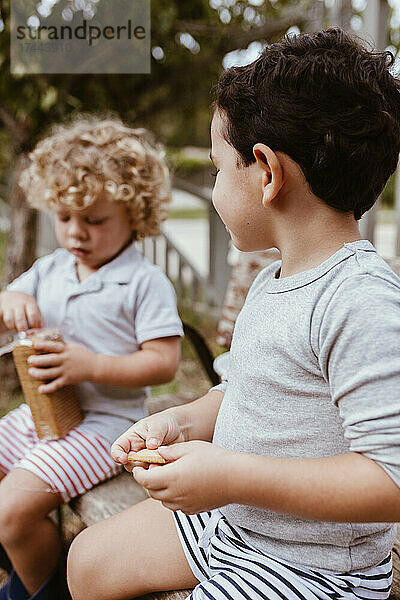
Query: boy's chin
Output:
(248,246)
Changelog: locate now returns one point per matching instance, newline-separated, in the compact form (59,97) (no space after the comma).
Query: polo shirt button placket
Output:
(67,326)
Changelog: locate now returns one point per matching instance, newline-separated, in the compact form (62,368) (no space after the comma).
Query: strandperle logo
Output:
(80,36)
(87,32)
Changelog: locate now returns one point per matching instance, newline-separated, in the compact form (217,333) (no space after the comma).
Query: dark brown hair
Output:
(325,101)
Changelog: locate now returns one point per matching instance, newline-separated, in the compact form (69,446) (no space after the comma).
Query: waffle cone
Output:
(53,414)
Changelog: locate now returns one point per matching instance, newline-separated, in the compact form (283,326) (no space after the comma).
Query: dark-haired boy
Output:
(296,495)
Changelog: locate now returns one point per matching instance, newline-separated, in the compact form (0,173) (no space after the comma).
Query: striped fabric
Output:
(70,466)
(228,569)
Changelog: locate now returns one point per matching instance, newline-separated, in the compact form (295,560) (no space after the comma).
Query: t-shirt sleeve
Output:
(221,387)
(27,282)
(156,312)
(359,354)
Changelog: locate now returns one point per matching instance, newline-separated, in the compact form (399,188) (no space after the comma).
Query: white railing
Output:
(202,291)
(190,285)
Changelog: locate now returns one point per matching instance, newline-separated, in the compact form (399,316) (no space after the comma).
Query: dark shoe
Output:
(50,590)
(14,589)
(4,560)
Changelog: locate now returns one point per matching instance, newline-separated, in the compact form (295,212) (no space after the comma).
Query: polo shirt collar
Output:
(121,268)
(118,270)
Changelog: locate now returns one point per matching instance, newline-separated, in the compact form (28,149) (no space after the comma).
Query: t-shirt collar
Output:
(298,280)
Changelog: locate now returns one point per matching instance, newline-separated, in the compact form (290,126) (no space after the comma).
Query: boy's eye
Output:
(92,221)
(63,218)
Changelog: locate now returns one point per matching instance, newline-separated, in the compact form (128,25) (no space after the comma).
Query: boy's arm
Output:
(345,488)
(64,363)
(155,363)
(200,476)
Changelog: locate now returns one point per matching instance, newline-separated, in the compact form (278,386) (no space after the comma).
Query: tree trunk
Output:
(314,17)
(20,254)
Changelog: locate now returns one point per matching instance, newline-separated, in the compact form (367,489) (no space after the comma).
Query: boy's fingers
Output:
(52,387)
(133,439)
(174,451)
(156,434)
(131,465)
(119,450)
(34,315)
(44,374)
(20,320)
(9,321)
(154,438)
(123,445)
(119,456)
(151,479)
(49,346)
(44,360)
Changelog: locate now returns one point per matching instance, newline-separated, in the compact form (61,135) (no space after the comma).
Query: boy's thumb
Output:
(172,452)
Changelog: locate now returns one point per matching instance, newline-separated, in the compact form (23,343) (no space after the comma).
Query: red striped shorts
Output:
(70,466)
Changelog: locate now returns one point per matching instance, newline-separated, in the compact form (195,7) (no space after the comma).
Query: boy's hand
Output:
(199,478)
(151,432)
(20,311)
(62,364)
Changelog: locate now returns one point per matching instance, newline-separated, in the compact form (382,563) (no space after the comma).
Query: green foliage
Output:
(3,243)
(181,164)
(173,100)
(172,387)
(10,402)
(175,107)
(387,197)
(188,213)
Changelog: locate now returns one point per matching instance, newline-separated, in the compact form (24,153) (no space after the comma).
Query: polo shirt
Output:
(118,307)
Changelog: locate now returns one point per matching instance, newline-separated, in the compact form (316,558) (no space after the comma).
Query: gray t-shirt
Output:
(121,305)
(314,372)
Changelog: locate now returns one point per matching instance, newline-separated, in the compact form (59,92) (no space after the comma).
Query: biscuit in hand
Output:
(146,456)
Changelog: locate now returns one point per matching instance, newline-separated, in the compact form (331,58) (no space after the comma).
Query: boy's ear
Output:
(272,180)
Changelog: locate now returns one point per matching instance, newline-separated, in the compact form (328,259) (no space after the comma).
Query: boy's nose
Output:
(76,229)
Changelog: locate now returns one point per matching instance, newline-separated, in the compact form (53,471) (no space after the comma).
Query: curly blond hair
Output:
(93,157)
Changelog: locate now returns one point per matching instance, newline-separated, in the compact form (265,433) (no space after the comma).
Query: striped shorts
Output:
(229,569)
(70,466)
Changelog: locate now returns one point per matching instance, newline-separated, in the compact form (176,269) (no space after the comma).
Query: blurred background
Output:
(192,41)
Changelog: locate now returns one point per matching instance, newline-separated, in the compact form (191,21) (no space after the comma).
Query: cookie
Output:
(146,456)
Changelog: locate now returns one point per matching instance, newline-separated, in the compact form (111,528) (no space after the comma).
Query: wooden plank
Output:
(175,595)
(108,498)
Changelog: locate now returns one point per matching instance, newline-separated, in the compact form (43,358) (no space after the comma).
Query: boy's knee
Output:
(14,517)
(82,567)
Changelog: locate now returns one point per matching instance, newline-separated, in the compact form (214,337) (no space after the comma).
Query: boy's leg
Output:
(132,553)
(4,560)
(30,538)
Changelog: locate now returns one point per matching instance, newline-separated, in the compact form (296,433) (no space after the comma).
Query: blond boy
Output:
(106,186)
